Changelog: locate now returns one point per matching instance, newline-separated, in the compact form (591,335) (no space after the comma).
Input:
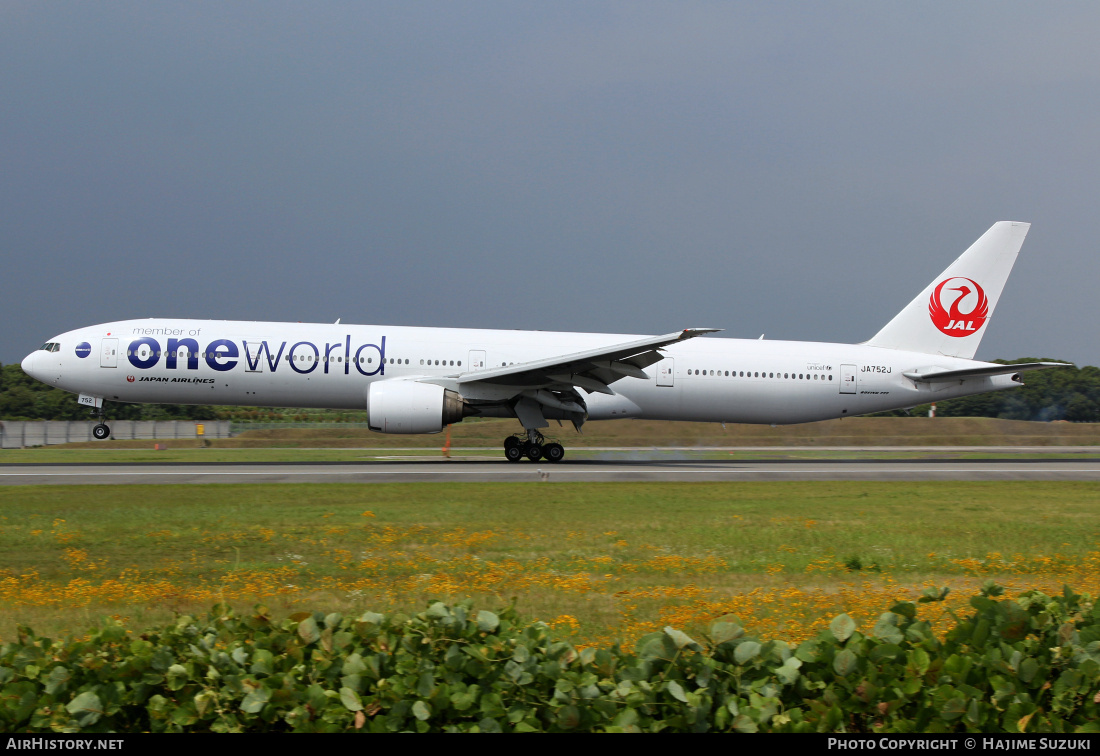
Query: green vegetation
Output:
(617,440)
(1069,393)
(663,606)
(192,452)
(1029,665)
(606,562)
(24,398)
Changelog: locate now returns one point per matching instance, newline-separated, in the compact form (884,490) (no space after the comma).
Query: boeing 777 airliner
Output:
(419,380)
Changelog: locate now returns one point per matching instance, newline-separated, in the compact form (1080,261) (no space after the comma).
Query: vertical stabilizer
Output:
(952,313)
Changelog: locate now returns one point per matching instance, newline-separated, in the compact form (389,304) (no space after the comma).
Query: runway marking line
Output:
(575,471)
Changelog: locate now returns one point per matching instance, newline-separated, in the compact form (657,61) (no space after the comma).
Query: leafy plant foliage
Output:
(1030,664)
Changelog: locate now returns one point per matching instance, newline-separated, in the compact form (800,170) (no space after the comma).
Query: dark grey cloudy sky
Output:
(801,170)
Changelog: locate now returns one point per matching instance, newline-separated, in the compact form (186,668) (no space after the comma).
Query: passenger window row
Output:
(440,363)
(209,355)
(751,374)
(309,358)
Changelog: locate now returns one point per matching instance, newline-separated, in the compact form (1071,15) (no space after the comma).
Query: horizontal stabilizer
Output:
(936,374)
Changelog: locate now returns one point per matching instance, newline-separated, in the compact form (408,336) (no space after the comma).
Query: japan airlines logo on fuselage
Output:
(951,319)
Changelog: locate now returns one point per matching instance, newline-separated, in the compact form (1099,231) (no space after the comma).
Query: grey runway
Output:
(478,470)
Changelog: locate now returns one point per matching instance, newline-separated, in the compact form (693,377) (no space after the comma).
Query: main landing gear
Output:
(533,447)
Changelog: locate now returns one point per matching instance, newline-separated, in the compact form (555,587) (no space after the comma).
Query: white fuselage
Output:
(331,366)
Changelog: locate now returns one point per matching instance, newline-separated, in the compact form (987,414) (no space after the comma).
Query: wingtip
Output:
(691,333)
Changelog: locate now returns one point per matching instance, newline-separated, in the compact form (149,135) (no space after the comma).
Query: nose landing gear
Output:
(533,447)
(101,430)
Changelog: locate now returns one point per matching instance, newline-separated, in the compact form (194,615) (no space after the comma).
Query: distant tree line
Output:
(1068,393)
(24,398)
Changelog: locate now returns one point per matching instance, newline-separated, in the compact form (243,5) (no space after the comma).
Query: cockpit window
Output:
(50,346)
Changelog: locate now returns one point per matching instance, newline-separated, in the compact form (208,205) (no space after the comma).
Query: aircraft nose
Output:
(28,364)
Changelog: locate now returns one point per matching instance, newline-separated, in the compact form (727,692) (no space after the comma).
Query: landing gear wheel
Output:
(101,432)
(553,452)
(510,442)
(533,452)
(513,453)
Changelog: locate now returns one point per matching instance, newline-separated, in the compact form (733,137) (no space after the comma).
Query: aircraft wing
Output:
(591,370)
(936,374)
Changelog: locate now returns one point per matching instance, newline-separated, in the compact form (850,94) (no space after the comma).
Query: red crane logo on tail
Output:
(951,319)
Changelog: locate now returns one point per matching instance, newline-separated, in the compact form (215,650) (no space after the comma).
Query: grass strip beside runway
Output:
(175,455)
(605,562)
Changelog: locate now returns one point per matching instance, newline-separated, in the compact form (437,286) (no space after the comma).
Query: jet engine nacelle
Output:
(411,407)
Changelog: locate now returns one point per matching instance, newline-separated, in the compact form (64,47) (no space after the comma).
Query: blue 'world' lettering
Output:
(304,359)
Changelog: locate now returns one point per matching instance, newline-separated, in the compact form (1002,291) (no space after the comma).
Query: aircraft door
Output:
(108,354)
(849,379)
(254,355)
(666,372)
(477,359)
